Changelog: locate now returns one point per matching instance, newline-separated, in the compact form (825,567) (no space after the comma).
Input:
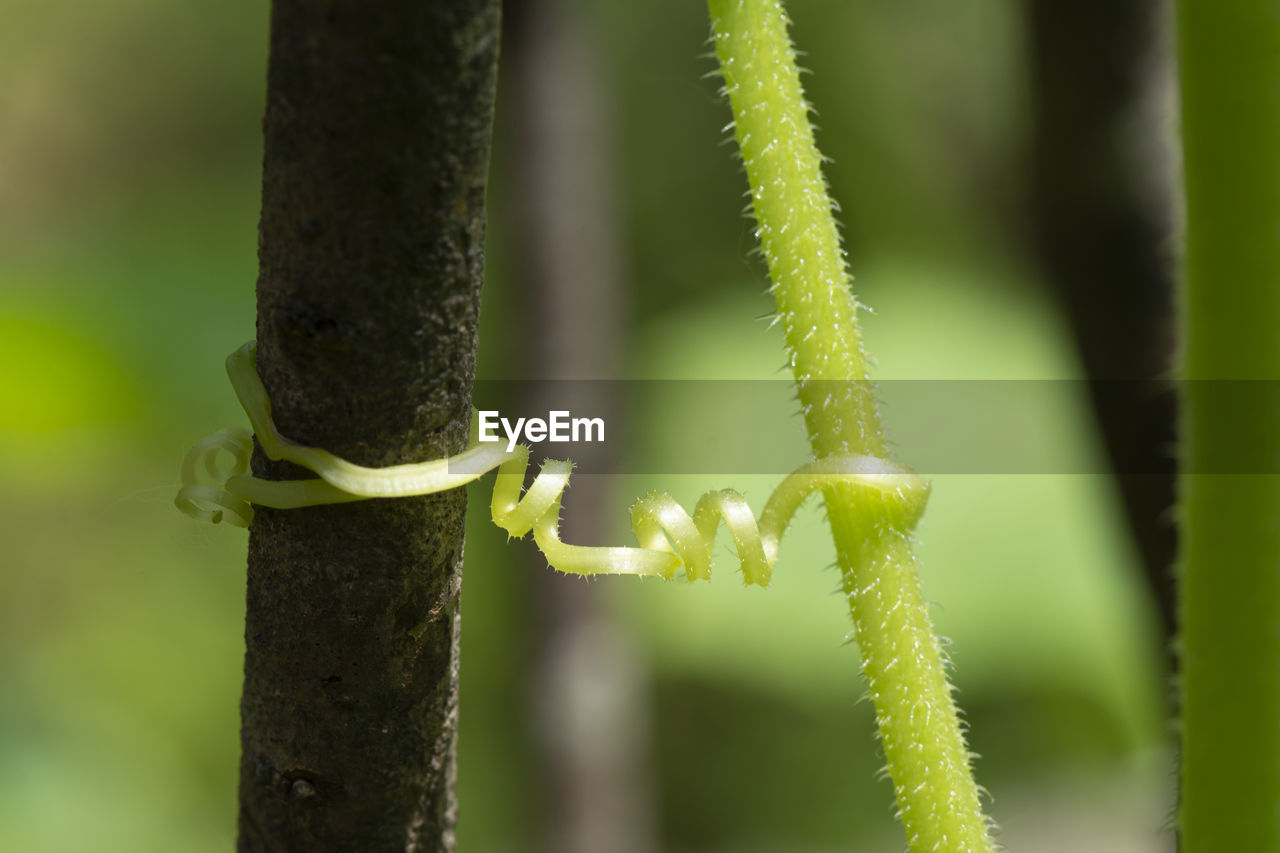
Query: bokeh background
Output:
(1002,171)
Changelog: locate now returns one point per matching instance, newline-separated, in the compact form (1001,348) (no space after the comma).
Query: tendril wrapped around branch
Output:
(670,538)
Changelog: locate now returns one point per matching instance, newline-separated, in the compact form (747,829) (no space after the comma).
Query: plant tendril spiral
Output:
(670,538)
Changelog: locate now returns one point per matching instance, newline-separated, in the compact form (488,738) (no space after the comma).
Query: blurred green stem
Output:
(927,758)
(1229,58)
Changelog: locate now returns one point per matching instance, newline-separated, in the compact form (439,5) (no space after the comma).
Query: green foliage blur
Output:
(130,156)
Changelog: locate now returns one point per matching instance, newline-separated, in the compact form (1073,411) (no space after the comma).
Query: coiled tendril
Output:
(670,538)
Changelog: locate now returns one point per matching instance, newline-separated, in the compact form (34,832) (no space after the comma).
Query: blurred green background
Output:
(723,718)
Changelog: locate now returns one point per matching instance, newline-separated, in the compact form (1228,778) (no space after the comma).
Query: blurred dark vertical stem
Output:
(588,689)
(1101,211)
(377,134)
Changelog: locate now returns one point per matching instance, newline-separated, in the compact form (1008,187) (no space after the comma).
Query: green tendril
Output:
(671,539)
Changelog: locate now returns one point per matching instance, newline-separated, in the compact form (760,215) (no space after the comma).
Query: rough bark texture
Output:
(377,142)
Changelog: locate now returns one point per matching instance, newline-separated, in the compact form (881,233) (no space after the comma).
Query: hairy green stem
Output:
(927,757)
(1229,56)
